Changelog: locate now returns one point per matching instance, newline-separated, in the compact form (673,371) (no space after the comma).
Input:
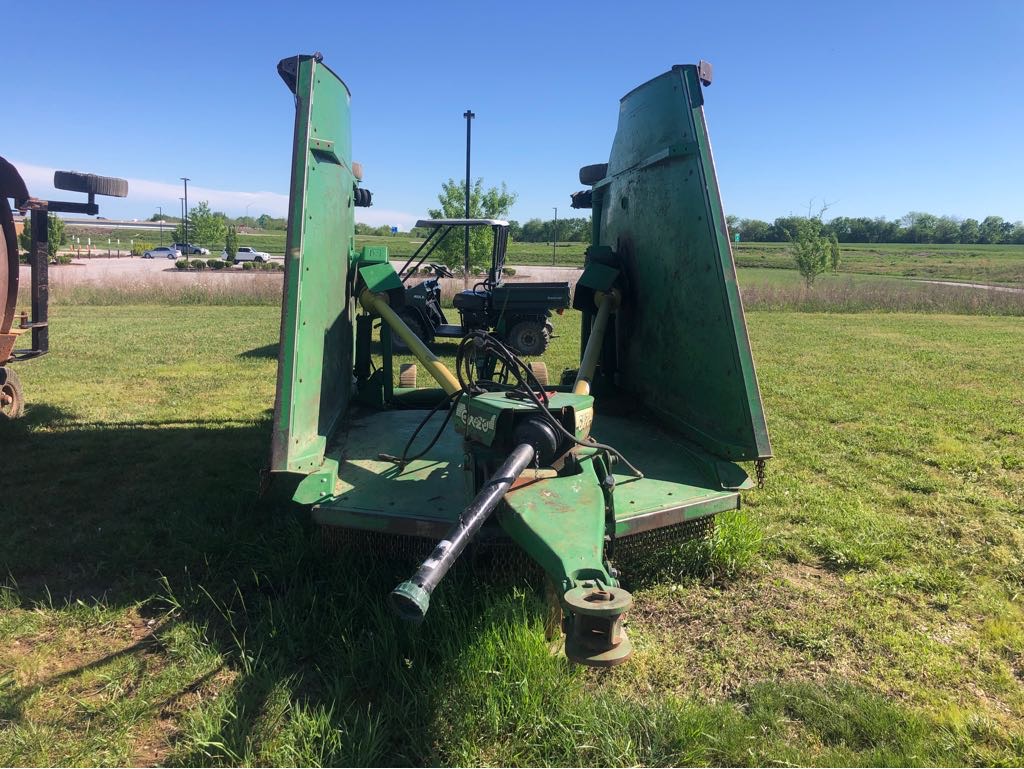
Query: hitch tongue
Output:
(411,599)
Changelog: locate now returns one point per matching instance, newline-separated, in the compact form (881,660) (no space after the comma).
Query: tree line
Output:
(915,227)
(263,221)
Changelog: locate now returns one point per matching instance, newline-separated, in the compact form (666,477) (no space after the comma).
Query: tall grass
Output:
(836,296)
(851,296)
(262,290)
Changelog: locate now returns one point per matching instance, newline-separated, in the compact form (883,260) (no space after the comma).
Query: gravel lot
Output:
(137,272)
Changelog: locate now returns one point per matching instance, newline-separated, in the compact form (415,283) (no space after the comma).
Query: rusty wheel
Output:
(8,267)
(540,370)
(12,400)
(407,375)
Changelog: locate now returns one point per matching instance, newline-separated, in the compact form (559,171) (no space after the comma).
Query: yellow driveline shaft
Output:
(378,303)
(605,304)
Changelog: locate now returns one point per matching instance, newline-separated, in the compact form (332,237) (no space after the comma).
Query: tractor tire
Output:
(12,399)
(591,175)
(540,371)
(529,337)
(407,375)
(90,184)
(415,324)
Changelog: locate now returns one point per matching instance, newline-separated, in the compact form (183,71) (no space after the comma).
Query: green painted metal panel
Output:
(317,314)
(371,493)
(560,522)
(380,277)
(688,356)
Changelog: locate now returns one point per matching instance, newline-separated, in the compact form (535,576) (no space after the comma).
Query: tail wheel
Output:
(529,337)
(12,399)
(407,375)
(90,183)
(412,320)
(593,174)
(540,371)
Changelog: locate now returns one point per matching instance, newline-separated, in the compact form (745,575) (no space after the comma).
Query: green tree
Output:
(493,203)
(991,230)
(56,237)
(811,250)
(204,226)
(834,254)
(969,231)
(231,243)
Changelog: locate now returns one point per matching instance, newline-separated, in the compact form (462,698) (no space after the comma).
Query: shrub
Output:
(198,264)
(216,264)
(231,244)
(56,236)
(181,264)
(510,271)
(61,259)
(246,265)
(139,248)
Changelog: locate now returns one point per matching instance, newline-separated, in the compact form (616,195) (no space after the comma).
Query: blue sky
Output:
(876,108)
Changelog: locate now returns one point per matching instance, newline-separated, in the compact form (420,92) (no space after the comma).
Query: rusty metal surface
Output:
(8,267)
(7,346)
(11,186)
(11,183)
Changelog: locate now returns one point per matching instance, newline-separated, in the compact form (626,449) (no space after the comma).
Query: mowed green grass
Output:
(156,611)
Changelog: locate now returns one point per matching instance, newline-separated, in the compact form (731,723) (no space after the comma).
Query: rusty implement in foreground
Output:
(36,324)
(639,442)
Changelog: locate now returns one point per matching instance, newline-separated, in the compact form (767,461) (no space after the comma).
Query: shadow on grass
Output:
(166,516)
(322,674)
(267,351)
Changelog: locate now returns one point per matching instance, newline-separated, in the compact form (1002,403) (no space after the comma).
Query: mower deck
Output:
(430,493)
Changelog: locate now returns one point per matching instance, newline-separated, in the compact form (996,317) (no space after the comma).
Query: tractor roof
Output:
(462,223)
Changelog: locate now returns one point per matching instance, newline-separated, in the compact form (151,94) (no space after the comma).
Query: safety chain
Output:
(759,471)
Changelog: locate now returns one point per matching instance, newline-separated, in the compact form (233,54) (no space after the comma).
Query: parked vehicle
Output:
(162,251)
(247,254)
(188,249)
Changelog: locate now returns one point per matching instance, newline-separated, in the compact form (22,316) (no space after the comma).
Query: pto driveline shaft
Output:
(411,599)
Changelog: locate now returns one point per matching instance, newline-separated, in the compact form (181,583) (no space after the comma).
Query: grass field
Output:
(863,608)
(1001,264)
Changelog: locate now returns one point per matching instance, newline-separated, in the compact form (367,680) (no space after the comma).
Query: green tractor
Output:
(518,313)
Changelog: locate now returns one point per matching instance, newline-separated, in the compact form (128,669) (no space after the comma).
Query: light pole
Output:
(182,201)
(468,114)
(554,236)
(187,242)
(161,208)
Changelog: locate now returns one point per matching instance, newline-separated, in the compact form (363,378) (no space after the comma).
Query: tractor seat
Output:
(470,301)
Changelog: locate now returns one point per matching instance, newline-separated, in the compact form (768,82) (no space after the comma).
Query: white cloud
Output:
(39,180)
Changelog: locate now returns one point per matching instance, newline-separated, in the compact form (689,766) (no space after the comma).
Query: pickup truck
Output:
(247,254)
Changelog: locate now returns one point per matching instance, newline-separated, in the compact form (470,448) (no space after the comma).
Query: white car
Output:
(247,254)
(159,251)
